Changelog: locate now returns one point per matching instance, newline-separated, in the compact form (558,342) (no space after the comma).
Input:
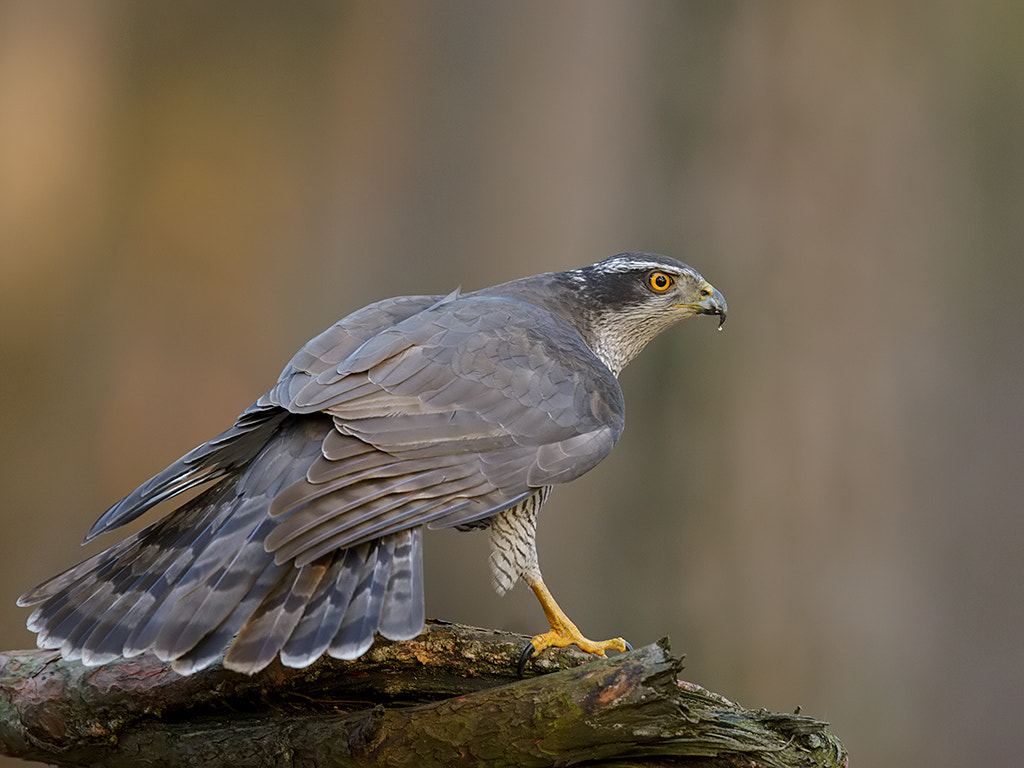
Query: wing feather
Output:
(227,452)
(458,410)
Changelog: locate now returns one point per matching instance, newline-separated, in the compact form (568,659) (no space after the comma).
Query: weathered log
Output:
(449,697)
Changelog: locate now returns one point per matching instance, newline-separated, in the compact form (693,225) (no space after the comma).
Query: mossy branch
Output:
(448,697)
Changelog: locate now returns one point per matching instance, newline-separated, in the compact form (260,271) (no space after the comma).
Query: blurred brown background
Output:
(820,505)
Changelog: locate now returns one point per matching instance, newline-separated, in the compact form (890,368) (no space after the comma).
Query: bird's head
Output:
(632,297)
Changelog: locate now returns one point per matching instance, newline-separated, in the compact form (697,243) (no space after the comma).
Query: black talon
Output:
(524,656)
(628,646)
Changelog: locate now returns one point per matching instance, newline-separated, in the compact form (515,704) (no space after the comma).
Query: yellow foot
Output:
(565,636)
(563,632)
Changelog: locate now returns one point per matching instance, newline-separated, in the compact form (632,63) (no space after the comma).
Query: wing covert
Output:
(447,416)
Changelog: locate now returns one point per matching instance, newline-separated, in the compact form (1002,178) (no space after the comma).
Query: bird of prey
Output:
(411,413)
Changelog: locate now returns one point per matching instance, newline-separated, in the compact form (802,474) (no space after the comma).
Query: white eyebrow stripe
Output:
(633,265)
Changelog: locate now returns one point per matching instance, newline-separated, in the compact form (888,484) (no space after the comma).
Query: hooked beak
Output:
(714,305)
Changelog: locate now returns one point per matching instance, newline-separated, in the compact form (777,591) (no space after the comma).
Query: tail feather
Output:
(212,646)
(326,610)
(362,618)
(71,618)
(136,606)
(141,584)
(403,612)
(263,635)
(174,602)
(70,599)
(66,583)
(201,579)
(193,610)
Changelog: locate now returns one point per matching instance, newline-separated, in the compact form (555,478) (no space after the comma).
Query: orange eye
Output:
(660,281)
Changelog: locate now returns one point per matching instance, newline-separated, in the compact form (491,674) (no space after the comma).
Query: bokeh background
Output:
(821,505)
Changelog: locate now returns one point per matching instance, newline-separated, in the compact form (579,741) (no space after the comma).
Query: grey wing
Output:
(234,448)
(450,416)
(224,454)
(189,583)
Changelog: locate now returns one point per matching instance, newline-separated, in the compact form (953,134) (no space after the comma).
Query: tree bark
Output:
(448,697)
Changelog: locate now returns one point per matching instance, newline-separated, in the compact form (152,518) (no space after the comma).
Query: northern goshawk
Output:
(413,412)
